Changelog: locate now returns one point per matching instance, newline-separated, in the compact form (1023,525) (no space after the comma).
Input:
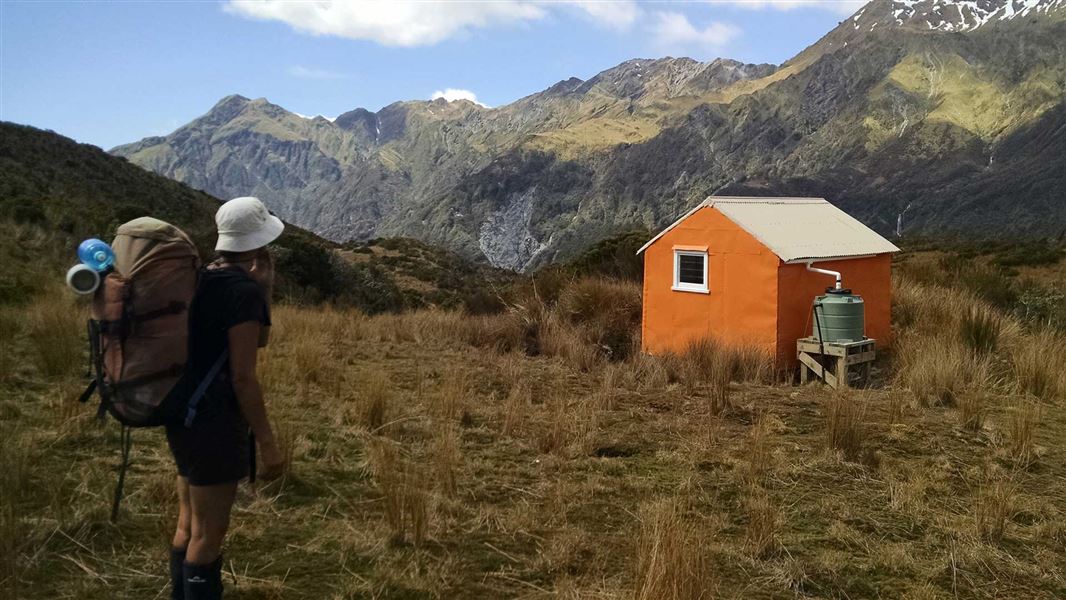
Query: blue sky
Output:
(108,73)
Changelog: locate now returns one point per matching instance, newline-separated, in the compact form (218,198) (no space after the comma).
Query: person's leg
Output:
(211,505)
(178,545)
(183,531)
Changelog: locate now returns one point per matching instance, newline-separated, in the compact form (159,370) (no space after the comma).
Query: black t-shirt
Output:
(224,298)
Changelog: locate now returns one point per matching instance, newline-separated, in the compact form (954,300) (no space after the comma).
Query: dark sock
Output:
(203,582)
(177,579)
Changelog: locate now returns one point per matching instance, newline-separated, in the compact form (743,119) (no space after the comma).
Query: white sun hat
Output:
(245,224)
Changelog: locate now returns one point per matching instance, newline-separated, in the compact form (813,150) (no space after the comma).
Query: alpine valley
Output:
(950,113)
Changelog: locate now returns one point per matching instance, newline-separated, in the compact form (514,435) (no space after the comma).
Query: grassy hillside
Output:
(55,192)
(532,453)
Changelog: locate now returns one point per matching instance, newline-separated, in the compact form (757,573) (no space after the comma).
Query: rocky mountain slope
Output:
(954,112)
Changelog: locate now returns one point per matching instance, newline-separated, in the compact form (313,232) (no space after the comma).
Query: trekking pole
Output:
(127,443)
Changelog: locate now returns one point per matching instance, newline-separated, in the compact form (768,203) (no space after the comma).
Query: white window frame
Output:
(690,287)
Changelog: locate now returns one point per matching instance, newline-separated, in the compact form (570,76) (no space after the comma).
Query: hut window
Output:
(690,271)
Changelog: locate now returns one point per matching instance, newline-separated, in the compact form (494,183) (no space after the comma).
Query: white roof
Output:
(796,229)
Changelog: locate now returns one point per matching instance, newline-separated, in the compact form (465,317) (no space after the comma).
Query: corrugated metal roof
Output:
(796,228)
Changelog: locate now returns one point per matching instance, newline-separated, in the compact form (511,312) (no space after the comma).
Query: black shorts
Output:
(214,450)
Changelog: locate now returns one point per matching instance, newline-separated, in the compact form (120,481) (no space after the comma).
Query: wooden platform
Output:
(832,361)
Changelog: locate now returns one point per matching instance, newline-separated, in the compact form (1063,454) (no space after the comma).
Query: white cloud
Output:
(411,23)
(313,73)
(619,14)
(838,6)
(673,33)
(453,94)
(395,23)
(421,23)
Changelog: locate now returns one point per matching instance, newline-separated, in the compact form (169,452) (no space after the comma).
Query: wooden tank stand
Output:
(831,361)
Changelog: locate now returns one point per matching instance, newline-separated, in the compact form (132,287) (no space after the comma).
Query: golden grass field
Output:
(532,454)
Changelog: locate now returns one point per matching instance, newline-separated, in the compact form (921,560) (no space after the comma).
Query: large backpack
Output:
(138,333)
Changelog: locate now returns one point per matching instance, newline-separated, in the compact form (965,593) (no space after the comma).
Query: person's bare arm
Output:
(243,345)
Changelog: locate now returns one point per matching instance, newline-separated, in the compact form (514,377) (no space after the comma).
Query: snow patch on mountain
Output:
(310,117)
(956,15)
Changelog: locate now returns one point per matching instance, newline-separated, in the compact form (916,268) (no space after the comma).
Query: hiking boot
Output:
(203,582)
(177,574)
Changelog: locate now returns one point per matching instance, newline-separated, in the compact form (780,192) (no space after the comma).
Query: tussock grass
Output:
(972,409)
(586,424)
(535,492)
(608,312)
(558,338)
(55,328)
(611,383)
(404,489)
(762,514)
(760,454)
(1024,419)
(939,370)
(708,359)
(452,397)
(670,564)
(375,400)
(10,327)
(1039,366)
(516,406)
(555,430)
(15,467)
(645,373)
(446,454)
(845,430)
(981,328)
(995,508)
(709,366)
(287,438)
(922,307)
(585,322)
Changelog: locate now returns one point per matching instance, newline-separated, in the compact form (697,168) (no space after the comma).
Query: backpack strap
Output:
(201,389)
(172,371)
(88,393)
(123,326)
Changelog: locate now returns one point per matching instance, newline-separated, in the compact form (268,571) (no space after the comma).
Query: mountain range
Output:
(949,117)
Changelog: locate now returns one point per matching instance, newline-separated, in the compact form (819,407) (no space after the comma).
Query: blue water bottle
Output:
(96,254)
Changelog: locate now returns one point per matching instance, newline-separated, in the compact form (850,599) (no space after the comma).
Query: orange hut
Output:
(735,269)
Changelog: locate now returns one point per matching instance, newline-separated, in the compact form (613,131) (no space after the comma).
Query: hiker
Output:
(229,312)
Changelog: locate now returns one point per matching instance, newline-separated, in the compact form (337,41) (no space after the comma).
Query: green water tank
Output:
(840,316)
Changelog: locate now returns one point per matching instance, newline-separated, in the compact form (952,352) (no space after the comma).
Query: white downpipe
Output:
(812,268)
